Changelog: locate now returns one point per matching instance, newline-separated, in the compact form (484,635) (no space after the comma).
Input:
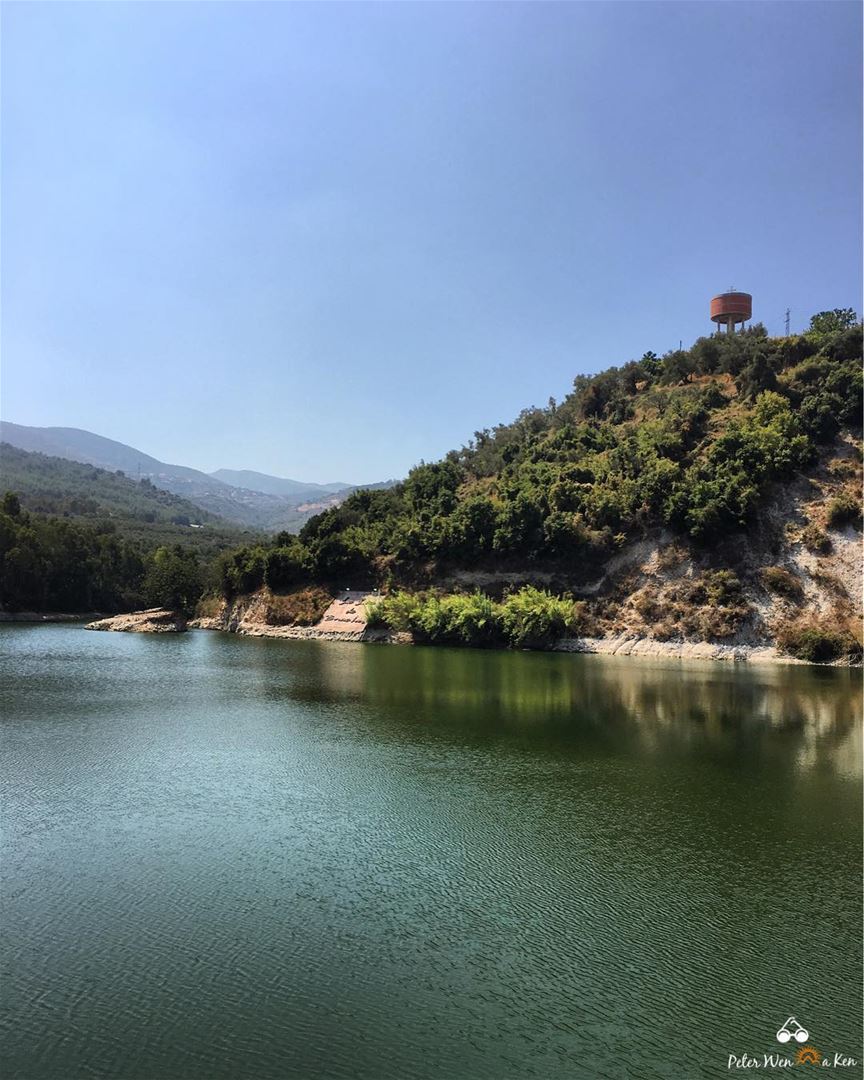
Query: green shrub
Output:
(241,571)
(470,620)
(529,618)
(174,579)
(722,587)
(400,611)
(431,621)
(533,618)
(375,617)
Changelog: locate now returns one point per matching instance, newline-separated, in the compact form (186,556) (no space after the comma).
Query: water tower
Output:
(730,308)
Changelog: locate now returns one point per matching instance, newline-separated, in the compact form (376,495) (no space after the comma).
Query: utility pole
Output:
(787,322)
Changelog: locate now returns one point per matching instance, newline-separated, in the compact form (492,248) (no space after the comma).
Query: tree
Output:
(286,565)
(651,364)
(757,376)
(11,504)
(828,322)
(174,579)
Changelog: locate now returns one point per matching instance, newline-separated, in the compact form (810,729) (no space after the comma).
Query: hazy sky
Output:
(326,240)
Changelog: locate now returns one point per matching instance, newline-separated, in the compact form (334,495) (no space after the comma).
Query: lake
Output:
(227,857)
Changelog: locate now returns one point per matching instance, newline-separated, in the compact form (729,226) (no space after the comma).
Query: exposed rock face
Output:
(151,621)
(344,620)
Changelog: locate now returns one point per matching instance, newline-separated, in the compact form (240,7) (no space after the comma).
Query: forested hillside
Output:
(707,495)
(86,493)
(694,441)
(75,537)
(51,563)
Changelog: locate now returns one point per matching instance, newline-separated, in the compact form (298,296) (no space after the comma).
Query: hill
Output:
(709,494)
(278,485)
(136,509)
(257,508)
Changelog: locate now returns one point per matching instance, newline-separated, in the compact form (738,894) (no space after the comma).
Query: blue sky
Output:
(326,241)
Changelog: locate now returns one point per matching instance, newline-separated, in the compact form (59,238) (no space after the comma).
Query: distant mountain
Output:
(137,508)
(251,507)
(77,445)
(277,485)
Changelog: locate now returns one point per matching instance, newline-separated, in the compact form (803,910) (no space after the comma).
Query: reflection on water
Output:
(249,859)
(803,716)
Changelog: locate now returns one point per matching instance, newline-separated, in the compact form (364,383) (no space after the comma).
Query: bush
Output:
(533,618)
(816,644)
(529,618)
(829,322)
(375,616)
(780,581)
(722,587)
(845,509)
(400,611)
(722,490)
(471,620)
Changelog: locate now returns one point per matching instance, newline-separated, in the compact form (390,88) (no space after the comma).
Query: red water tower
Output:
(730,308)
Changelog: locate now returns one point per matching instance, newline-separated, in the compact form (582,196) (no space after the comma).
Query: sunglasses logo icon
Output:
(792,1030)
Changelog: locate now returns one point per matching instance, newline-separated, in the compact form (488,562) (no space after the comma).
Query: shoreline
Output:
(162,621)
(622,645)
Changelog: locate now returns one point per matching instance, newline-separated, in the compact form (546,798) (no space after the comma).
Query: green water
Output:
(235,858)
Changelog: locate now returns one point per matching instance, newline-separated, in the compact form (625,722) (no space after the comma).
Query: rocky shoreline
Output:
(345,621)
(646,648)
(303,633)
(627,645)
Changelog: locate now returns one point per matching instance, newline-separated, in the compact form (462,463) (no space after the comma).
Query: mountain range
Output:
(252,499)
(277,485)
